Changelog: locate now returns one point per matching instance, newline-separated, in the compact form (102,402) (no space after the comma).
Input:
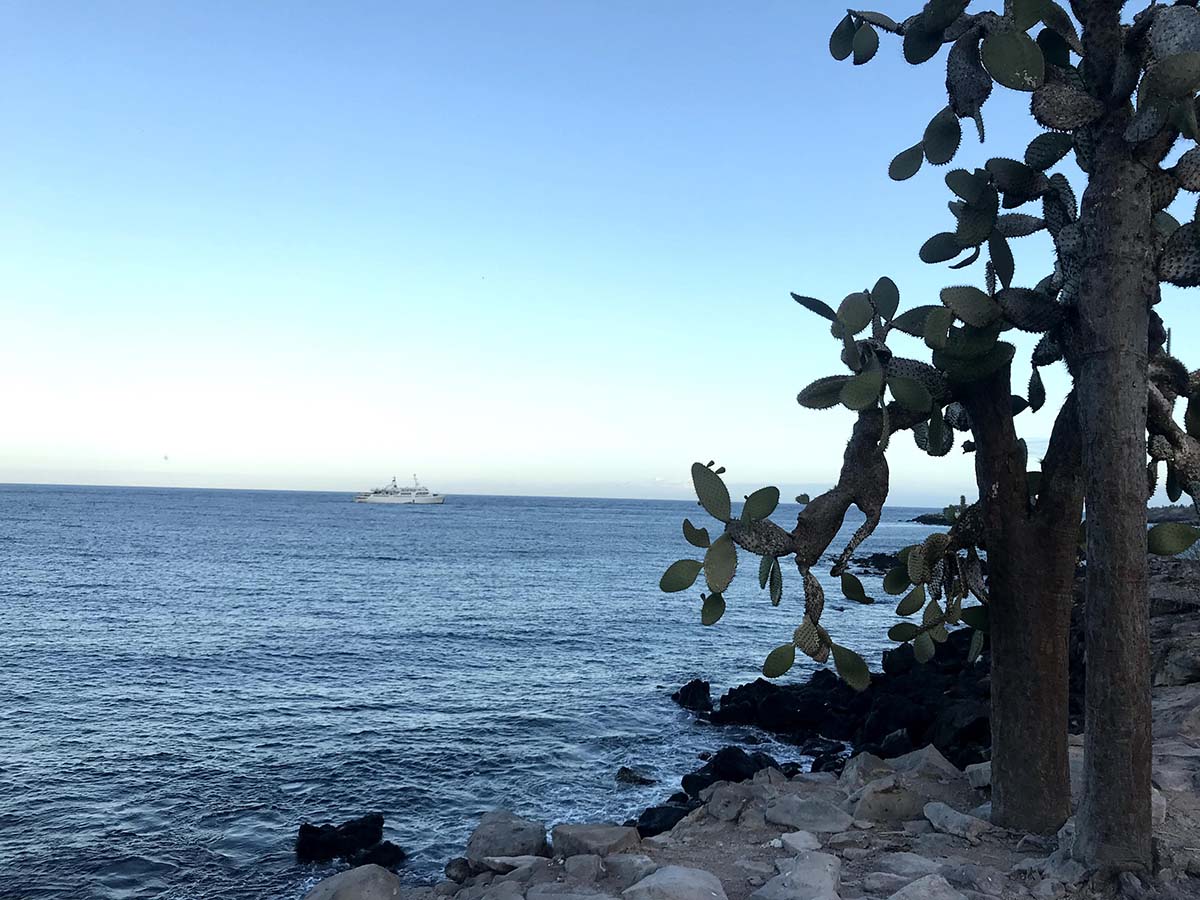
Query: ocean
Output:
(187,675)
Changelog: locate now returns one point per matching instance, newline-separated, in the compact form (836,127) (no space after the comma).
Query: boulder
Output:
(500,833)
(564,892)
(906,865)
(889,799)
(807,815)
(951,821)
(585,867)
(677,883)
(629,868)
(809,876)
(931,887)
(694,696)
(630,775)
(1177,660)
(980,775)
(458,869)
(657,819)
(599,840)
(385,853)
(502,865)
(728,764)
(863,768)
(800,841)
(322,843)
(363,883)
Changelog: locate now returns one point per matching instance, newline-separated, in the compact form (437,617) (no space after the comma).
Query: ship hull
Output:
(403,501)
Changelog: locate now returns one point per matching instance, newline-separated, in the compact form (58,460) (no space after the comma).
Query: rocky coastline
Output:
(894,805)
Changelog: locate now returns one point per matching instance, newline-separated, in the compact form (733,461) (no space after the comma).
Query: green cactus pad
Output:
(910,393)
(807,638)
(1047,149)
(937,326)
(866,43)
(776,583)
(853,589)
(697,537)
(712,610)
(1063,107)
(1014,60)
(971,305)
(779,661)
(764,570)
(896,581)
(679,576)
(912,321)
(851,667)
(921,43)
(923,647)
(822,309)
(1171,538)
(940,248)
(967,185)
(918,568)
(1037,391)
(760,504)
(711,491)
(720,564)
(942,137)
(1180,260)
(823,393)
(855,313)
(841,42)
(1175,77)
(903,631)
(1187,169)
(968,369)
(862,390)
(1001,258)
(886,297)
(1029,310)
(907,163)
(1015,225)
(976,221)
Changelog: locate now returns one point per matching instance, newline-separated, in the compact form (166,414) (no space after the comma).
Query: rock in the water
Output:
(363,883)
(600,840)
(810,876)
(385,853)
(677,883)
(931,887)
(951,821)
(694,695)
(630,775)
(658,819)
(326,842)
(500,833)
(728,764)
(807,815)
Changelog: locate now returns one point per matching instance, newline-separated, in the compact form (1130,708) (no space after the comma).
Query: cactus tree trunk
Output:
(1031,568)
(1119,283)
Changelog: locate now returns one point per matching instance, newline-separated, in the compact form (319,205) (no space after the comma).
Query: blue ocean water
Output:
(187,675)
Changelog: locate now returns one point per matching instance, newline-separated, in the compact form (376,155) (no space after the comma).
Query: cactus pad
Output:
(1014,60)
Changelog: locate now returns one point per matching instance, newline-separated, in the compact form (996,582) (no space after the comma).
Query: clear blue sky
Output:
(528,247)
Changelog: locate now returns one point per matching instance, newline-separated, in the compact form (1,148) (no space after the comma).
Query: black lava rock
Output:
(658,819)
(694,695)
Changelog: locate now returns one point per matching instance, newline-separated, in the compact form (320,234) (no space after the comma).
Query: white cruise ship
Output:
(393,493)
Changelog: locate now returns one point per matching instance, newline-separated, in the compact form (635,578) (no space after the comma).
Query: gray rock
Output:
(500,833)
(634,775)
(1061,866)
(446,888)
(725,802)
(458,869)
(629,868)
(854,854)
(980,775)
(884,882)
(918,826)
(799,841)
(982,811)
(677,883)
(565,892)
(507,890)
(979,879)
(584,867)
(951,821)
(807,815)
(362,883)
(908,865)
(931,887)
(929,762)
(810,876)
(598,840)
(502,865)
(889,799)
(862,769)
(1047,889)
(526,872)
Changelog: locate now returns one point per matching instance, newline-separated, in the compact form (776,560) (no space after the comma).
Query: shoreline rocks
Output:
(358,841)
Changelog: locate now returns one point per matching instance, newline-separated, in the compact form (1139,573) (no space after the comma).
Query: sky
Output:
(522,248)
